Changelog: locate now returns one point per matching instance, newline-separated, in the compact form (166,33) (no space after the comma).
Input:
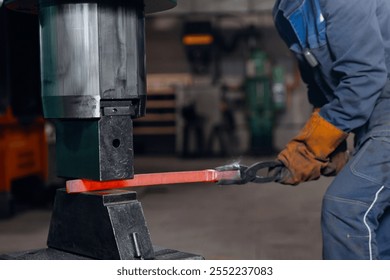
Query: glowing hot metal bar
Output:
(152,179)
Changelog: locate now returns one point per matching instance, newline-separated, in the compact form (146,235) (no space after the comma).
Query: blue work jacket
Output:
(343,50)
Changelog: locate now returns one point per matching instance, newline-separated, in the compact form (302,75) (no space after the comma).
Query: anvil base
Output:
(53,254)
(105,225)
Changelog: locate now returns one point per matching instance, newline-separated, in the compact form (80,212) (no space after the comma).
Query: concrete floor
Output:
(252,221)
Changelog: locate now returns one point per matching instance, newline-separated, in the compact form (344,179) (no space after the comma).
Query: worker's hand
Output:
(307,154)
(337,160)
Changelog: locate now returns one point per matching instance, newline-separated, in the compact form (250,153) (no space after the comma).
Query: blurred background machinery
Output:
(265,98)
(23,146)
(208,108)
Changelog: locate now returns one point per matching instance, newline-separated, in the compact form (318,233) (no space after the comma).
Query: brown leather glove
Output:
(337,160)
(307,154)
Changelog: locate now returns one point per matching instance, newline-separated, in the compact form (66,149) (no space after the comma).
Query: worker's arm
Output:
(357,46)
(355,40)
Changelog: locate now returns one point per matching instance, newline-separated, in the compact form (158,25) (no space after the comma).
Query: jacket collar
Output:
(287,6)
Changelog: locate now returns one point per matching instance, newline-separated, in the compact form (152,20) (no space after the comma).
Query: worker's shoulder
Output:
(332,8)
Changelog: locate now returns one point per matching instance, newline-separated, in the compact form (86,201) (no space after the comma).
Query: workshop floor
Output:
(268,221)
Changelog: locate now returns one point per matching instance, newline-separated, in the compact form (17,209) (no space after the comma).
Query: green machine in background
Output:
(264,100)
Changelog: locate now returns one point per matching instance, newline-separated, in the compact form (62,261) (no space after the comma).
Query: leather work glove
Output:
(337,160)
(307,154)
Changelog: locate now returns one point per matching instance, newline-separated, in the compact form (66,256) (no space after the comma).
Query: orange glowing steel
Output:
(152,179)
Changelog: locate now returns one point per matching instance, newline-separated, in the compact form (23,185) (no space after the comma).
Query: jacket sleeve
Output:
(355,42)
(314,93)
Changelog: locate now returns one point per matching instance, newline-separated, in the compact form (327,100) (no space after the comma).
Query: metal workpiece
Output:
(96,149)
(232,174)
(153,179)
